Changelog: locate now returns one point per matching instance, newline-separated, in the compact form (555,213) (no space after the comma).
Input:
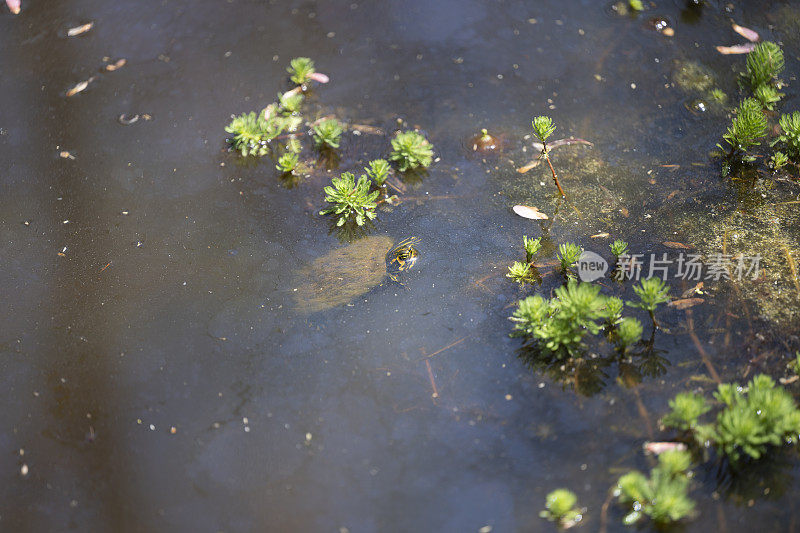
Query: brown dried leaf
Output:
(117,65)
(602,235)
(678,245)
(77,30)
(685,303)
(697,289)
(529,212)
(745,48)
(529,166)
(624,212)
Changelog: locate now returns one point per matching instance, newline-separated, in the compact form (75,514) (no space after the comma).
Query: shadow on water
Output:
(160,374)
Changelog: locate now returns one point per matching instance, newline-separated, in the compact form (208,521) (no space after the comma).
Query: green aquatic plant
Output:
(636,5)
(718,95)
(327,133)
(532,247)
(629,332)
(378,170)
(350,199)
(747,127)
(561,506)
(790,134)
(559,325)
(411,150)
(768,96)
(778,160)
(252,132)
(520,272)
(664,496)
(294,145)
(288,162)
(686,410)
(300,70)
(568,254)
(651,293)
(764,64)
(618,248)
(751,420)
(543,128)
(290,101)
(612,311)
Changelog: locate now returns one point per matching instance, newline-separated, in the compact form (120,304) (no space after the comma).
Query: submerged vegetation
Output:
(561,506)
(664,495)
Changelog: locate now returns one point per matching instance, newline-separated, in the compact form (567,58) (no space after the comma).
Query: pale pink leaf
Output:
(745,48)
(747,33)
(529,212)
(14,5)
(320,77)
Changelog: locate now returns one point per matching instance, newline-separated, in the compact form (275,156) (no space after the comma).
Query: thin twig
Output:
(699,346)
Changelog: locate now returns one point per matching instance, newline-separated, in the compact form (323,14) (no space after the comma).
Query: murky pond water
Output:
(157,372)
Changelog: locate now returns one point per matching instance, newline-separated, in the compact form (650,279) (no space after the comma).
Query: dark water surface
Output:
(171,306)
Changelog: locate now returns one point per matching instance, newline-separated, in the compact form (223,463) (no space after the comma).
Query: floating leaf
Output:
(80,87)
(77,30)
(736,49)
(602,235)
(319,76)
(657,448)
(14,6)
(66,155)
(117,65)
(747,33)
(529,212)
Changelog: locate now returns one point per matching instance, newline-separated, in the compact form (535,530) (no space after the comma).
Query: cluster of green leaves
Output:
(568,254)
(561,506)
(378,170)
(300,70)
(288,162)
(327,133)
(664,496)
(749,422)
(764,64)
(349,198)
(790,136)
(411,150)
(532,247)
(543,127)
(618,248)
(253,131)
(558,325)
(747,128)
(524,272)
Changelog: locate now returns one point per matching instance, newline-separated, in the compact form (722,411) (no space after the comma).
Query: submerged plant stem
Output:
(554,176)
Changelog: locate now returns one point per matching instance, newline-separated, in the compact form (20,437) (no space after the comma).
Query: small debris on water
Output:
(77,30)
(529,212)
(66,155)
(80,87)
(23,470)
(118,64)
